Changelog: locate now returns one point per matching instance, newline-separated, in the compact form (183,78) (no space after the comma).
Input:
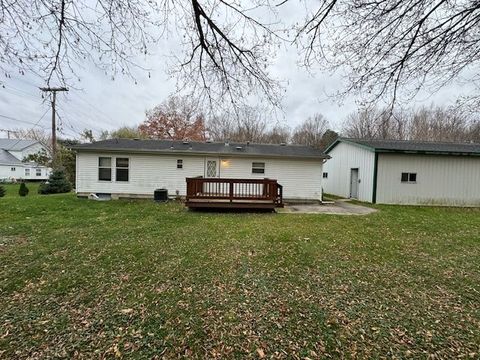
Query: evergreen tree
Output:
(23,191)
(57,184)
(2,191)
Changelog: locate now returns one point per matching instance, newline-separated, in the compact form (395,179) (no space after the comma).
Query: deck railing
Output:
(255,191)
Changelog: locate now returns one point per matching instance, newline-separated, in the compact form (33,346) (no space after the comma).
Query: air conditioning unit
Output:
(160,195)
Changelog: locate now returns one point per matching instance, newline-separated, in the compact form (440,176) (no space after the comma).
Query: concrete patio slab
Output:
(339,207)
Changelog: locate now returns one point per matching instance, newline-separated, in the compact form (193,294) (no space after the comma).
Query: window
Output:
(122,169)
(105,168)
(13,169)
(27,172)
(258,168)
(179,164)
(38,172)
(409,177)
(325,175)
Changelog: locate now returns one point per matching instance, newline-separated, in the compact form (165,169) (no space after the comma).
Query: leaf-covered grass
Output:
(136,279)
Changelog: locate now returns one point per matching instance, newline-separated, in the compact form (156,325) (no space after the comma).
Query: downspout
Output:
(375,175)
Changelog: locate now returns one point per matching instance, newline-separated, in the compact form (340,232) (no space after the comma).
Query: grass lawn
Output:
(135,279)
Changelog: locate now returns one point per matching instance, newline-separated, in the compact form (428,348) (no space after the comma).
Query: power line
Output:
(14,92)
(23,121)
(96,108)
(68,124)
(9,87)
(36,124)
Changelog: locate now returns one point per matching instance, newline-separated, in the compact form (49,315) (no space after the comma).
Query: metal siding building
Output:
(338,170)
(406,172)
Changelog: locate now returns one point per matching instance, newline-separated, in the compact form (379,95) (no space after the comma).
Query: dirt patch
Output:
(7,241)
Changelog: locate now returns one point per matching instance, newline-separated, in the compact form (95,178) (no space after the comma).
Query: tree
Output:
(177,118)
(432,123)
(393,45)
(23,191)
(246,123)
(311,131)
(328,138)
(65,159)
(375,123)
(224,48)
(41,157)
(124,132)
(2,191)
(277,135)
(87,134)
(57,184)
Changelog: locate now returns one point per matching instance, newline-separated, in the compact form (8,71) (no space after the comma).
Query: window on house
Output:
(27,172)
(258,168)
(325,175)
(38,172)
(179,164)
(409,177)
(121,169)
(105,168)
(13,169)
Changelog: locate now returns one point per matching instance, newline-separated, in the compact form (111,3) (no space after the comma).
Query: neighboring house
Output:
(135,168)
(404,172)
(12,168)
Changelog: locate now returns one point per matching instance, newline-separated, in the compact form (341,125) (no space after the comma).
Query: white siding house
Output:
(152,164)
(12,166)
(404,172)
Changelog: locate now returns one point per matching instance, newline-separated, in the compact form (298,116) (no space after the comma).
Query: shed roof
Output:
(410,146)
(193,147)
(16,144)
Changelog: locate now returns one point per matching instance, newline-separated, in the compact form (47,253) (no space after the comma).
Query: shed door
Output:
(354,183)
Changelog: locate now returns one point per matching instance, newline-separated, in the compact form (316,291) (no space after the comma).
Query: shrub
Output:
(2,191)
(57,184)
(23,191)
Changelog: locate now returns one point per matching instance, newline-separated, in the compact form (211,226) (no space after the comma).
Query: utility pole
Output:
(54,125)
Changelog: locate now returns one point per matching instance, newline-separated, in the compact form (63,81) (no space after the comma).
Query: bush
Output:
(23,191)
(57,184)
(2,191)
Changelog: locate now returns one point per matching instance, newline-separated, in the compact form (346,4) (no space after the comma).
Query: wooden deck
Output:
(233,193)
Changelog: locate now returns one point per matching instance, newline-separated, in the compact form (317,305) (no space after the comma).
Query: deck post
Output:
(231,191)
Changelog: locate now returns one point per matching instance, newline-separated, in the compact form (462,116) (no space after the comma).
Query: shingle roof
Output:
(15,144)
(410,146)
(217,148)
(8,159)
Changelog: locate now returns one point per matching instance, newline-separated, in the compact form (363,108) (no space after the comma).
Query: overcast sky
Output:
(101,103)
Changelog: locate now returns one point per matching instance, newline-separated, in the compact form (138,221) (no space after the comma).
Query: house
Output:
(135,168)
(12,166)
(404,172)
